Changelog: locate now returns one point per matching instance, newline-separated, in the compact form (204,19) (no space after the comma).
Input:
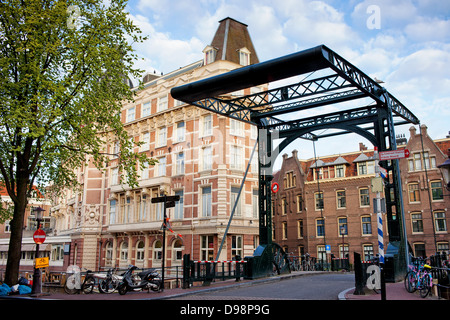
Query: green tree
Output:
(64,66)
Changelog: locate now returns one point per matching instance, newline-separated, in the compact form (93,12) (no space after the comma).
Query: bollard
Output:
(359,276)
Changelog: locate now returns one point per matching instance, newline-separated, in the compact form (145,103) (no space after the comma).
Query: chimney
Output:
(423,129)
(412,132)
(362,147)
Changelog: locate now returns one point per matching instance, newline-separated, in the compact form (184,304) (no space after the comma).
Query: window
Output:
(206,202)
(162,137)
(178,250)
(236,246)
(144,173)
(255,203)
(368,251)
(157,250)
(143,208)
(340,171)
(124,251)
(236,127)
(180,163)
(436,190)
(210,55)
(57,253)
(234,196)
(364,199)
(162,167)
(318,196)
(145,141)
(162,103)
(207,125)
(443,247)
(108,254)
(131,114)
(299,203)
(417,162)
(179,205)
(207,248)
(426,160)
(366,167)
(140,251)
(439,221)
(236,157)
(340,195)
(414,192)
(115,176)
(300,229)
(284,230)
(419,250)
(417,222)
(112,211)
(342,225)
(320,227)
(180,132)
(244,57)
(207,158)
(146,109)
(283,206)
(366,225)
(290,180)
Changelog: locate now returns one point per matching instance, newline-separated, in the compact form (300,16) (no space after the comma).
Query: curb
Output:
(341,295)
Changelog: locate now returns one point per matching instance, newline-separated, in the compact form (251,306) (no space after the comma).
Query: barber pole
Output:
(379,216)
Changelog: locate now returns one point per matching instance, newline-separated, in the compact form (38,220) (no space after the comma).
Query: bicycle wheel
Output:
(107,286)
(426,286)
(410,282)
(70,285)
(88,285)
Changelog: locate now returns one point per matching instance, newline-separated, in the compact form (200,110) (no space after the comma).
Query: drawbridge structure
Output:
(307,80)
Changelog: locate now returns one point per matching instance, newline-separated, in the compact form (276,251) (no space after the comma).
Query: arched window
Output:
(140,251)
(157,250)
(124,251)
(108,253)
(177,250)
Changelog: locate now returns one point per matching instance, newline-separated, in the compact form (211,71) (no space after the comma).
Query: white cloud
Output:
(163,53)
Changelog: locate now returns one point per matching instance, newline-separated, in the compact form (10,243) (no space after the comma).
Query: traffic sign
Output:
(39,236)
(275,187)
(394,154)
(165,198)
(41,262)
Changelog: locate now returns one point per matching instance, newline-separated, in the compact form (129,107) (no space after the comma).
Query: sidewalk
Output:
(394,291)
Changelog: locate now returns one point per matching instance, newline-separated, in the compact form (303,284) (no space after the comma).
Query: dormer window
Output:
(210,54)
(244,57)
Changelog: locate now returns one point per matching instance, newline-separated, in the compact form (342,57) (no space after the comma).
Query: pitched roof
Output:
(232,36)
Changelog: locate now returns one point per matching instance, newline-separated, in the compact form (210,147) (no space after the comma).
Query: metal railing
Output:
(209,271)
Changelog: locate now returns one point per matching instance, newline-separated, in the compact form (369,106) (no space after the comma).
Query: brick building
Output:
(328,201)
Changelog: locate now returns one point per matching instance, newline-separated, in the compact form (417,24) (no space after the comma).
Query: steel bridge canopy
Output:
(339,81)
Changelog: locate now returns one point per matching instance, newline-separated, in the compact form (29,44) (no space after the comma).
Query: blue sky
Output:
(405,43)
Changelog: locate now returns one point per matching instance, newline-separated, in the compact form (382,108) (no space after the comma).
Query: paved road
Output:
(308,287)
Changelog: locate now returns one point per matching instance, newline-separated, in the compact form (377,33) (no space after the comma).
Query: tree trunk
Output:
(15,240)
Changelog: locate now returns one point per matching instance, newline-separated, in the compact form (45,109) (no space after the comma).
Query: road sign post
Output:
(393,154)
(168,202)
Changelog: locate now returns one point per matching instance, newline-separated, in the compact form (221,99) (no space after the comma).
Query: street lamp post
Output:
(343,234)
(36,289)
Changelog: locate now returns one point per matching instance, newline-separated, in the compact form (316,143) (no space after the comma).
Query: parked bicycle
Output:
(110,283)
(419,278)
(73,283)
